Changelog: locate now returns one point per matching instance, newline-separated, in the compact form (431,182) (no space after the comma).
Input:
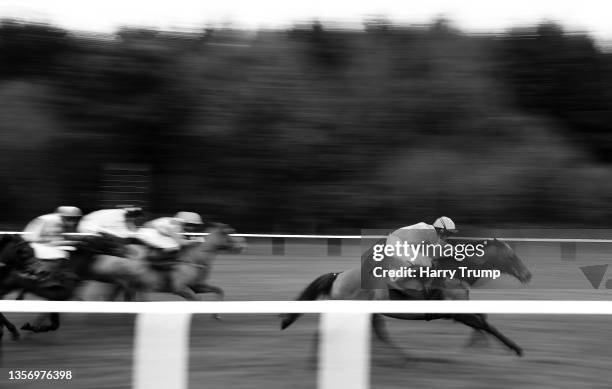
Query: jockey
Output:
(423,234)
(166,233)
(45,232)
(119,222)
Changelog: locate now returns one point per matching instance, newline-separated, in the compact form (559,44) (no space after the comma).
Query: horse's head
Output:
(15,252)
(220,237)
(499,255)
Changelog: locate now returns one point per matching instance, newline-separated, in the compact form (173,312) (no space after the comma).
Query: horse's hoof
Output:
(216,316)
(15,336)
(519,352)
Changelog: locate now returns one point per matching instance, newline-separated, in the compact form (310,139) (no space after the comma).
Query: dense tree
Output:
(312,129)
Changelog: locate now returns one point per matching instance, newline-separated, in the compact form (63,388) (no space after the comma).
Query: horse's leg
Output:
(458,293)
(4,322)
(129,292)
(126,275)
(117,289)
(207,288)
(379,327)
(476,321)
(129,295)
(37,325)
(54,323)
(56,293)
(479,322)
(179,284)
(187,293)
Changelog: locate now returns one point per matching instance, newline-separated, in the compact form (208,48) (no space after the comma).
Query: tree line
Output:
(312,129)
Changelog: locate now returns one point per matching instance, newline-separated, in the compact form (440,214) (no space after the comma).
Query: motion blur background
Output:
(312,128)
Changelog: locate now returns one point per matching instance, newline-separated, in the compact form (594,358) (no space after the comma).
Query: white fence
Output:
(336,245)
(344,352)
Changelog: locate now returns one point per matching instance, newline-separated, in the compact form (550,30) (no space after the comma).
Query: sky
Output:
(105,16)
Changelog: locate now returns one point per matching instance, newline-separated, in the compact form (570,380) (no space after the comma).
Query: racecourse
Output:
(249,351)
(257,274)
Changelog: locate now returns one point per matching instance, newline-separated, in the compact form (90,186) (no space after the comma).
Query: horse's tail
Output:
(319,287)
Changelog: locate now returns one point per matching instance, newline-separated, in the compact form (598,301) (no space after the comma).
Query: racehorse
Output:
(94,258)
(15,253)
(187,274)
(347,286)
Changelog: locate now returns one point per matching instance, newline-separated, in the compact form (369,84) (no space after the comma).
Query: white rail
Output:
(273,307)
(161,343)
(299,236)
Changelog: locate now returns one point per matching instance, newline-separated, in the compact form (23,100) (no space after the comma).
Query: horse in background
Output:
(185,275)
(16,255)
(95,257)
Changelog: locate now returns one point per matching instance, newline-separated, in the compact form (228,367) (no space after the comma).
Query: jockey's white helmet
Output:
(189,217)
(446,224)
(69,211)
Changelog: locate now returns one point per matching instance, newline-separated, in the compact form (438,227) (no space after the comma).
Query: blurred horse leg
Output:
(460,291)
(207,288)
(122,287)
(479,322)
(38,326)
(21,295)
(55,321)
(187,293)
(4,322)
(379,327)
(115,292)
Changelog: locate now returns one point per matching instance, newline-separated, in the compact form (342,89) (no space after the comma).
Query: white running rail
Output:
(298,236)
(162,330)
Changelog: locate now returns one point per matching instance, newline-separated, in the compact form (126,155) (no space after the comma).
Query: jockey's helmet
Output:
(189,217)
(69,211)
(445,224)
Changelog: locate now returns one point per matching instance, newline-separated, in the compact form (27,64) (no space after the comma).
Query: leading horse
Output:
(347,286)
